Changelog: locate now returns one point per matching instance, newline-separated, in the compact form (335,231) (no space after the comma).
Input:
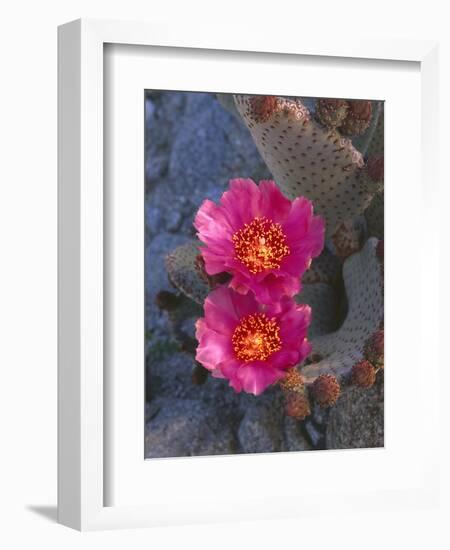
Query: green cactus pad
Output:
(343,348)
(309,160)
(183,272)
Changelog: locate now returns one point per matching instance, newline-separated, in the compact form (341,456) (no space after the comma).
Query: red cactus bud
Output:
(167,300)
(347,239)
(326,390)
(297,405)
(374,349)
(375,168)
(199,375)
(262,107)
(331,112)
(364,374)
(358,117)
(293,380)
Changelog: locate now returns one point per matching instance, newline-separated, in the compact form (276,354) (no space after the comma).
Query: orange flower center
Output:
(256,337)
(260,245)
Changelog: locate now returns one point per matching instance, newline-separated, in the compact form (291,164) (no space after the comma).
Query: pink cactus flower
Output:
(251,344)
(265,241)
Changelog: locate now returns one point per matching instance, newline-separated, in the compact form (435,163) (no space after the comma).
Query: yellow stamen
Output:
(260,245)
(256,337)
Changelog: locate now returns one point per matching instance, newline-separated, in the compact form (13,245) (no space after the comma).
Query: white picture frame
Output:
(82,483)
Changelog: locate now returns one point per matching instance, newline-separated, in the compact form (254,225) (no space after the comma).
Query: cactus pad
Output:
(184,272)
(307,159)
(344,348)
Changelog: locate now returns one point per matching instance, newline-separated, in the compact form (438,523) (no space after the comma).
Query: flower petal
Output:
(257,376)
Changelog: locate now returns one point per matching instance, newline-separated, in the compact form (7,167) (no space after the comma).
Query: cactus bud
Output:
(374,349)
(297,405)
(326,390)
(262,107)
(331,112)
(347,239)
(293,380)
(364,374)
(358,117)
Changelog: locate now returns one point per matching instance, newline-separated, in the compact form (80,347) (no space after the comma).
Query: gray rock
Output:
(188,326)
(211,147)
(186,428)
(261,429)
(155,167)
(174,219)
(149,112)
(197,154)
(357,419)
(314,432)
(162,114)
(294,439)
(153,219)
(169,376)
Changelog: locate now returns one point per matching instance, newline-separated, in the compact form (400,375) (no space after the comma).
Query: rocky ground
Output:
(193,147)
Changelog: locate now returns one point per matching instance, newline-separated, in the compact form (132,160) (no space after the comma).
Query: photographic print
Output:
(264,277)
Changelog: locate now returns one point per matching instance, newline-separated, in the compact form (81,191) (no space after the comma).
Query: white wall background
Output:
(28,271)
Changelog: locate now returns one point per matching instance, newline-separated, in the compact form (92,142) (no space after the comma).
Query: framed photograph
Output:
(240,225)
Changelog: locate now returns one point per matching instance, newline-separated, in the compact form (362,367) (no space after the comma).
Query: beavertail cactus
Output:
(287,277)
(309,159)
(342,349)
